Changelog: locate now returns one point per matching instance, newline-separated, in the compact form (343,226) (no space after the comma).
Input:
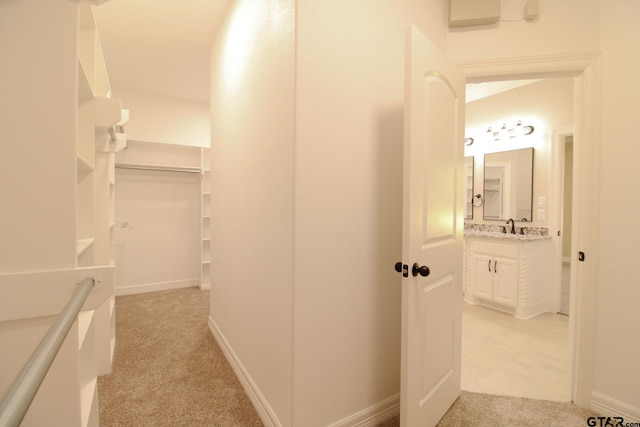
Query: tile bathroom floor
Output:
(508,356)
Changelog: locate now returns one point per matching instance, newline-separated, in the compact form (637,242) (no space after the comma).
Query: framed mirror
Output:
(508,185)
(468,179)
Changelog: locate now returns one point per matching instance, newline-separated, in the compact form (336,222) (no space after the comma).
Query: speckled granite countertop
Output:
(505,236)
(495,231)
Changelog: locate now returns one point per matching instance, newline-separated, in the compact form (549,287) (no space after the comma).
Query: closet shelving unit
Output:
(154,156)
(57,110)
(205,251)
(99,135)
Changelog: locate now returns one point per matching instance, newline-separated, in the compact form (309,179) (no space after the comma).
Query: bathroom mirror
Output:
(508,185)
(468,179)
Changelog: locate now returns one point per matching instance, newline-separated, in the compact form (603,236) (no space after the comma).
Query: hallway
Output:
(168,370)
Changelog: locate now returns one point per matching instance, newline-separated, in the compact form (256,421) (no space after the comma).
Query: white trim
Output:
(205,286)
(556,187)
(585,69)
(567,64)
(155,287)
(373,415)
(265,412)
(613,408)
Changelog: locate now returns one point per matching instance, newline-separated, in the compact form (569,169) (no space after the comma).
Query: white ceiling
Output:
(163,46)
(477,91)
(160,46)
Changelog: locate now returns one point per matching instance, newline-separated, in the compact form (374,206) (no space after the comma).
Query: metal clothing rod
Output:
(158,168)
(18,398)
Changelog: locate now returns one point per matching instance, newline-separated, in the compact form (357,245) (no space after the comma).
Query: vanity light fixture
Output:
(504,132)
(520,130)
(468,141)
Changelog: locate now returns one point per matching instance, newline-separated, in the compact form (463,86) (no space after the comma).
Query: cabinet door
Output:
(505,283)
(482,266)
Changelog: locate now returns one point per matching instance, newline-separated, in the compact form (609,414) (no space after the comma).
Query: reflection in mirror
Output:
(508,185)
(468,179)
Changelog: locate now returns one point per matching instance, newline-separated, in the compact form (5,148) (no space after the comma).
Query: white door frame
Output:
(585,70)
(556,193)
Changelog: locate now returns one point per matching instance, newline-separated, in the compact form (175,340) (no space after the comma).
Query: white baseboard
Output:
(155,287)
(265,412)
(373,415)
(612,408)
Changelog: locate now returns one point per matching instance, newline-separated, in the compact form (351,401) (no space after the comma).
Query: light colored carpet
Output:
(169,371)
(486,410)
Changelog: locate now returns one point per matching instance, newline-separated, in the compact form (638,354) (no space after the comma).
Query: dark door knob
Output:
(423,271)
(399,267)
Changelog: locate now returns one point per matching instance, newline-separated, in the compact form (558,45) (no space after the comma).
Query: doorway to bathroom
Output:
(500,353)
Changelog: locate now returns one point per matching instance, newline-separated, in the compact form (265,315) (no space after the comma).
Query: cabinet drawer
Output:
(506,250)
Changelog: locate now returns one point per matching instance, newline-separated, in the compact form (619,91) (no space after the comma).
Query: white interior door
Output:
(432,233)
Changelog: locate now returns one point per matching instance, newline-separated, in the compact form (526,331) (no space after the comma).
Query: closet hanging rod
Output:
(158,168)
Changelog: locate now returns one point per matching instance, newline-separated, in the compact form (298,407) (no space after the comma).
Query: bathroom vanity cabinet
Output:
(509,274)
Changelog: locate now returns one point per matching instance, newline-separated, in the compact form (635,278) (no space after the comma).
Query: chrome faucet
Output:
(513,225)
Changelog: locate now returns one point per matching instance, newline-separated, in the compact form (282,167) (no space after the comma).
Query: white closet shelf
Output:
(84,166)
(151,167)
(120,234)
(84,321)
(85,93)
(83,245)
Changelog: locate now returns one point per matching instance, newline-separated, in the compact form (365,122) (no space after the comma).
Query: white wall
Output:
(162,250)
(562,26)
(37,152)
(166,119)
(616,370)
(162,213)
(609,26)
(252,111)
(547,105)
(316,328)
(348,202)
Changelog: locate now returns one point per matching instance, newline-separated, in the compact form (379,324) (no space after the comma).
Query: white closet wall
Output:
(165,119)
(159,206)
